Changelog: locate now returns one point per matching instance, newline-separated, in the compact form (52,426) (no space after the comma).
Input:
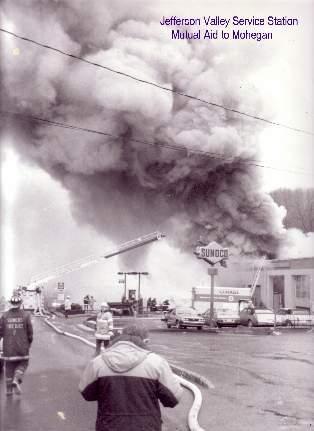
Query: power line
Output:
(144,81)
(202,153)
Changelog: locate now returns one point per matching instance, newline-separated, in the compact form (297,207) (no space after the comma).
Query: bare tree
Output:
(299,204)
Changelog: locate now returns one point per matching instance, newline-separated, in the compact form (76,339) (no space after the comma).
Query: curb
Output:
(85,328)
(90,324)
(258,330)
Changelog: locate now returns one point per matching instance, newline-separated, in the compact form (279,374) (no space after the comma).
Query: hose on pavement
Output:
(197,403)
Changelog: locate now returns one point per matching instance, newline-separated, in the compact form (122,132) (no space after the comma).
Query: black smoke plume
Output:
(122,187)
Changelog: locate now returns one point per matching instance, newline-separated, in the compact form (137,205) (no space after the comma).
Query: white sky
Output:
(287,85)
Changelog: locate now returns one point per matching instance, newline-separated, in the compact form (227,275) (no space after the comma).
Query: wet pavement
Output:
(258,381)
(51,400)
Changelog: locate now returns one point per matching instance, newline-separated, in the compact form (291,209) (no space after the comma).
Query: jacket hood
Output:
(124,356)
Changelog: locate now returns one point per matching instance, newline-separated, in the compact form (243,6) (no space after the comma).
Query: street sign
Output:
(60,287)
(212,271)
(212,252)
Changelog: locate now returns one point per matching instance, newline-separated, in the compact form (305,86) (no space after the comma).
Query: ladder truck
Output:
(32,293)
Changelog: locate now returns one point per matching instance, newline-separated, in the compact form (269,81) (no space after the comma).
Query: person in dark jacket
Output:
(128,381)
(17,332)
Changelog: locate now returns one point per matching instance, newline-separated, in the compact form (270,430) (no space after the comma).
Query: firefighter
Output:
(104,327)
(86,302)
(251,308)
(67,306)
(17,332)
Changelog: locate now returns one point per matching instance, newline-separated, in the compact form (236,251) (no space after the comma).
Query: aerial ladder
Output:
(257,274)
(33,286)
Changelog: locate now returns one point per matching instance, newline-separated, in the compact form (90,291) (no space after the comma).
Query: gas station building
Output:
(287,283)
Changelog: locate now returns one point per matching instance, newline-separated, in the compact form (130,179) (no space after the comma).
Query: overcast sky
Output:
(38,229)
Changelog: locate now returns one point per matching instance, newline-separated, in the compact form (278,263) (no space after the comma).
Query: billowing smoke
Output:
(297,244)
(120,186)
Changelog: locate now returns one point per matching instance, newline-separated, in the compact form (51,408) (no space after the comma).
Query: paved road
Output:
(51,401)
(262,382)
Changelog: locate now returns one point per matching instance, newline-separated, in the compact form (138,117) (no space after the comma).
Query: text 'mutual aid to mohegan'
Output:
(257,28)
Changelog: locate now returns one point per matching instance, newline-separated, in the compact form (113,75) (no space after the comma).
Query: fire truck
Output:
(33,299)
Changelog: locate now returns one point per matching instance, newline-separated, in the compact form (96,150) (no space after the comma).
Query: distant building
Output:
(282,283)
(287,283)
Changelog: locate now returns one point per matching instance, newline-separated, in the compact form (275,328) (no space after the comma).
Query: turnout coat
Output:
(128,382)
(104,325)
(17,332)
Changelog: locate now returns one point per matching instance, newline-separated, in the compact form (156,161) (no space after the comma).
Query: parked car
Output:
(184,318)
(165,315)
(222,318)
(294,317)
(257,317)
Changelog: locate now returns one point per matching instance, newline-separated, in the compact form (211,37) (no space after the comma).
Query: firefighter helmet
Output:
(16,301)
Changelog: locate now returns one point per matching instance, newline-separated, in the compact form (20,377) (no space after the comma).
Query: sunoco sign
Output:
(212,252)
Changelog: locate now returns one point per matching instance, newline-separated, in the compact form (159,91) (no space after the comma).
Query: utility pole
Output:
(212,272)
(139,291)
(124,282)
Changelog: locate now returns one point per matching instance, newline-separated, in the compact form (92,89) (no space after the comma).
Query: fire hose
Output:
(197,403)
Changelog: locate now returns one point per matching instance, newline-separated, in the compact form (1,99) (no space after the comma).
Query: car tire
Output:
(250,324)
(178,325)
(199,328)
(168,325)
